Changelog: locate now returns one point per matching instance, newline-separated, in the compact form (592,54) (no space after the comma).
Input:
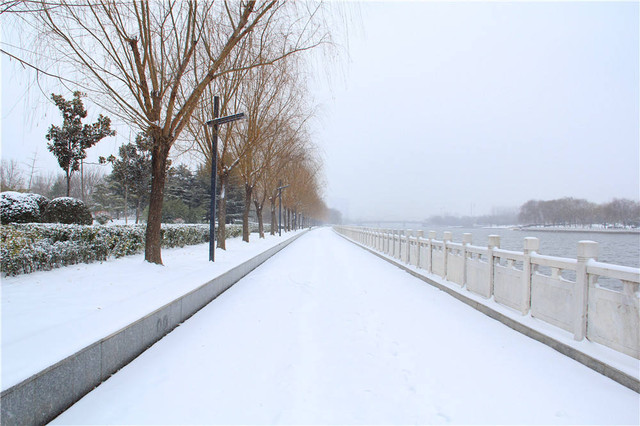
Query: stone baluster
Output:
(531,245)
(419,236)
(587,250)
(432,236)
(407,255)
(494,242)
(393,243)
(445,251)
(466,240)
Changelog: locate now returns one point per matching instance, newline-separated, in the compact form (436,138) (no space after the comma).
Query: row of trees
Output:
(270,148)
(573,211)
(156,65)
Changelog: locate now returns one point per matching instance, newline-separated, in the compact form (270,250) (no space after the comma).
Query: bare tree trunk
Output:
(258,207)
(248,189)
(273,215)
(126,191)
(82,180)
(68,183)
(138,210)
(222,212)
(159,155)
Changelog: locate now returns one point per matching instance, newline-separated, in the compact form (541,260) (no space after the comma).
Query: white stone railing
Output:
(515,279)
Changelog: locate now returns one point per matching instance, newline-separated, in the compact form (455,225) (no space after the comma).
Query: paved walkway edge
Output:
(43,396)
(596,364)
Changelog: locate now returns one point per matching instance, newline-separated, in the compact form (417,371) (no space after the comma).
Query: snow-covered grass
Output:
(47,316)
(326,333)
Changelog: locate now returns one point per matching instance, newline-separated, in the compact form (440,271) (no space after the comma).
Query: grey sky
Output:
(463,107)
(452,107)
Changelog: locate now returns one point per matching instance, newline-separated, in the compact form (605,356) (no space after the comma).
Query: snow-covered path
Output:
(325,332)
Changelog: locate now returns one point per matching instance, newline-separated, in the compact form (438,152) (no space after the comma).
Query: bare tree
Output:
(11,178)
(32,169)
(254,82)
(136,59)
(43,183)
(271,99)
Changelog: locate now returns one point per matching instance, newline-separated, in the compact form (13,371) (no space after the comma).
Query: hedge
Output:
(67,210)
(21,208)
(31,247)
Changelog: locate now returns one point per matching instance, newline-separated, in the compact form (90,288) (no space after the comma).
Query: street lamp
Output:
(214,156)
(280,188)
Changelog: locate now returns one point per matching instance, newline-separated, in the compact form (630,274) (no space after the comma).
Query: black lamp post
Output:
(214,157)
(280,188)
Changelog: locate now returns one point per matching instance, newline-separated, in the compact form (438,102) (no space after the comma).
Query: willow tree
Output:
(282,37)
(135,58)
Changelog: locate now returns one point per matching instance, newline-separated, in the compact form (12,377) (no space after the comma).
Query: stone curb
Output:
(595,364)
(43,396)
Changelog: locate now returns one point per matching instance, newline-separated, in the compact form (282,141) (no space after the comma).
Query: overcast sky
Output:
(451,107)
(466,107)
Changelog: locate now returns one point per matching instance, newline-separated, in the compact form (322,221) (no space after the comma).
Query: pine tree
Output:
(132,171)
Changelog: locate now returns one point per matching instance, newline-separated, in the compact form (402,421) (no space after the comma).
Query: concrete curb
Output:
(43,396)
(595,364)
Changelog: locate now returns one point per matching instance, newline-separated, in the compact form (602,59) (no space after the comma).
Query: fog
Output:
(448,108)
(471,108)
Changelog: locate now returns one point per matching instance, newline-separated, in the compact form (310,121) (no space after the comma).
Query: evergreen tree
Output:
(70,142)
(132,171)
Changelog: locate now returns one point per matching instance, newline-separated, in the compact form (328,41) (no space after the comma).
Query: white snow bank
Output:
(49,315)
(326,333)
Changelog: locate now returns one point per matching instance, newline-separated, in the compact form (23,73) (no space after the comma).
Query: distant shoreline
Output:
(583,230)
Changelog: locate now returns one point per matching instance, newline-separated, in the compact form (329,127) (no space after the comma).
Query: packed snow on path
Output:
(326,333)
(49,315)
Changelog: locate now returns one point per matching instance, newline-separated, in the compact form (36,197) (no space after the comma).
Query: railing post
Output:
(388,241)
(445,239)
(419,235)
(407,257)
(385,241)
(587,250)
(432,236)
(393,243)
(531,244)
(494,242)
(466,240)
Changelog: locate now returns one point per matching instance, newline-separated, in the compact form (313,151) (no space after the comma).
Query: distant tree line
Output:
(573,211)
(560,212)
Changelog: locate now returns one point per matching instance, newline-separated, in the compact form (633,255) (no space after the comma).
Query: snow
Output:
(49,315)
(326,333)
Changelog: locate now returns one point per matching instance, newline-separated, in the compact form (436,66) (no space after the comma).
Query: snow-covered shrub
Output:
(233,230)
(16,207)
(26,248)
(67,210)
(103,218)
(42,201)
